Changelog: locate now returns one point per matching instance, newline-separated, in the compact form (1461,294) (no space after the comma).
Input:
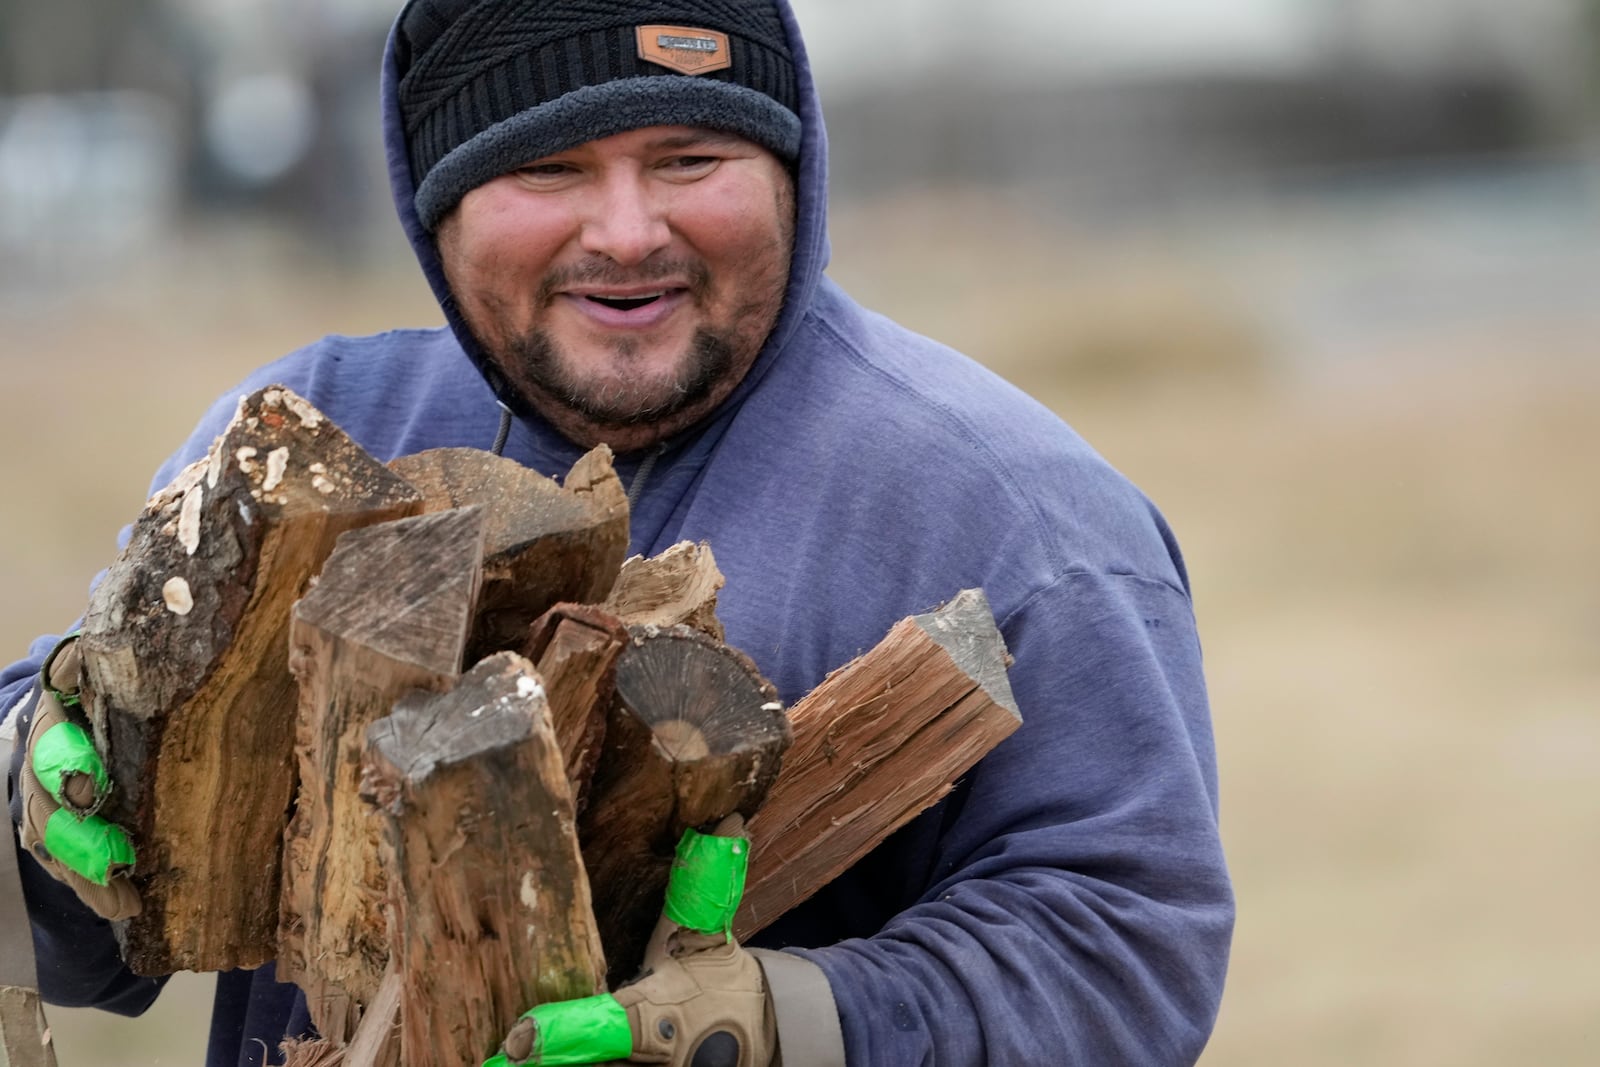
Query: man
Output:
(620,205)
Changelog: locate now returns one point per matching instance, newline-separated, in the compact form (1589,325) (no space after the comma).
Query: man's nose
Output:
(627,222)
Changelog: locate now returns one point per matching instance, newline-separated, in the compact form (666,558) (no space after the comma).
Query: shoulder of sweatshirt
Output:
(934,448)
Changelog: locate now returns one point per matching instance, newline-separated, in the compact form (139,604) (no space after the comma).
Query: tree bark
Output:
(390,614)
(695,734)
(677,587)
(544,543)
(880,740)
(489,903)
(185,656)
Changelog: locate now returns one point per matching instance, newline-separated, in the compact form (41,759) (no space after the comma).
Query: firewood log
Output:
(489,903)
(695,734)
(544,543)
(677,587)
(880,740)
(575,647)
(187,682)
(389,614)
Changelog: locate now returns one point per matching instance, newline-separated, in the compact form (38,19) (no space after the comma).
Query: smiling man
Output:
(621,207)
(625,285)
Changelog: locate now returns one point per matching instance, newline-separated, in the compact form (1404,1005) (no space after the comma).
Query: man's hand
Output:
(700,1001)
(63,783)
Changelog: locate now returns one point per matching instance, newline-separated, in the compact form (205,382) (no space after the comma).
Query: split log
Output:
(185,655)
(576,648)
(489,903)
(389,614)
(677,587)
(695,734)
(544,543)
(880,740)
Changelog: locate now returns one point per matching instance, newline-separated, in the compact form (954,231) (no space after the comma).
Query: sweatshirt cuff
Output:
(809,1034)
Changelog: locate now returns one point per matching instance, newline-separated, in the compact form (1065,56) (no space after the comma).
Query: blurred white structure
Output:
(85,180)
(855,43)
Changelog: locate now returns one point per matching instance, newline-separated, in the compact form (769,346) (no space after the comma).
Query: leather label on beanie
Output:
(685,49)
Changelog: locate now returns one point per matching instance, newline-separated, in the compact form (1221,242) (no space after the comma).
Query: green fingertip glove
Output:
(91,847)
(700,997)
(707,882)
(64,759)
(63,782)
(591,1030)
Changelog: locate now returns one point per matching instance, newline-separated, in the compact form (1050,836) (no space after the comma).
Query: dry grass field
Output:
(1393,563)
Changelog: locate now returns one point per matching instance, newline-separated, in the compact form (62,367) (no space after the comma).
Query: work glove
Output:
(64,783)
(700,999)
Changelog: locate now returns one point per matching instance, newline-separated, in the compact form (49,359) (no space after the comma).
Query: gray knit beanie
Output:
(489,85)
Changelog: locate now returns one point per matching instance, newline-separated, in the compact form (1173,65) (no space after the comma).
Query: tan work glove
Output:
(64,782)
(700,1001)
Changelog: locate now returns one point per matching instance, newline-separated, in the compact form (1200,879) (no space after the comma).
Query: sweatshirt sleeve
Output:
(79,964)
(1078,910)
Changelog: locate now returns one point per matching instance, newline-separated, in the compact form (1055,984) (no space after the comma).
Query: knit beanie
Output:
(487,86)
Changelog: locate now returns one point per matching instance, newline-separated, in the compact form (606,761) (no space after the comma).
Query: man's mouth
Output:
(626,303)
(629,309)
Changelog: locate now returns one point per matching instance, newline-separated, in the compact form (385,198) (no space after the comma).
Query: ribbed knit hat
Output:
(489,85)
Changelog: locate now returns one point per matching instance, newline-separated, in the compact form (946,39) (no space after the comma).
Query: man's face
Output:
(627,285)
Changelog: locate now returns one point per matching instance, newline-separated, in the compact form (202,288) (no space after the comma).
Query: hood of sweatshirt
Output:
(809,260)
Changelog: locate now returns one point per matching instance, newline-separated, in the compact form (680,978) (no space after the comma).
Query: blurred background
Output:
(1319,275)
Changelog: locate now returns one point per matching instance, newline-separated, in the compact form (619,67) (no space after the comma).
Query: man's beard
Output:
(533,359)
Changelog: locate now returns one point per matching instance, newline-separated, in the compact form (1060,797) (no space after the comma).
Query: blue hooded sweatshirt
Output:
(1068,902)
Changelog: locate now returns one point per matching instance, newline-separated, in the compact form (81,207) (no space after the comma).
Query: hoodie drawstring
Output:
(504,433)
(642,475)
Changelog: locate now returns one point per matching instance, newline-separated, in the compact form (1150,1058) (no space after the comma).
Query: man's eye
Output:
(690,162)
(544,170)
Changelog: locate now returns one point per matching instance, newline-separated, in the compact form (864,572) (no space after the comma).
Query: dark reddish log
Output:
(880,740)
(695,734)
(544,543)
(389,614)
(677,587)
(489,903)
(576,647)
(185,653)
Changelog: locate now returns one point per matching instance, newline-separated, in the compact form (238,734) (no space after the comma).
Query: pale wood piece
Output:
(576,648)
(377,1039)
(24,1034)
(389,614)
(185,656)
(679,586)
(376,1042)
(544,543)
(880,740)
(489,902)
(695,734)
